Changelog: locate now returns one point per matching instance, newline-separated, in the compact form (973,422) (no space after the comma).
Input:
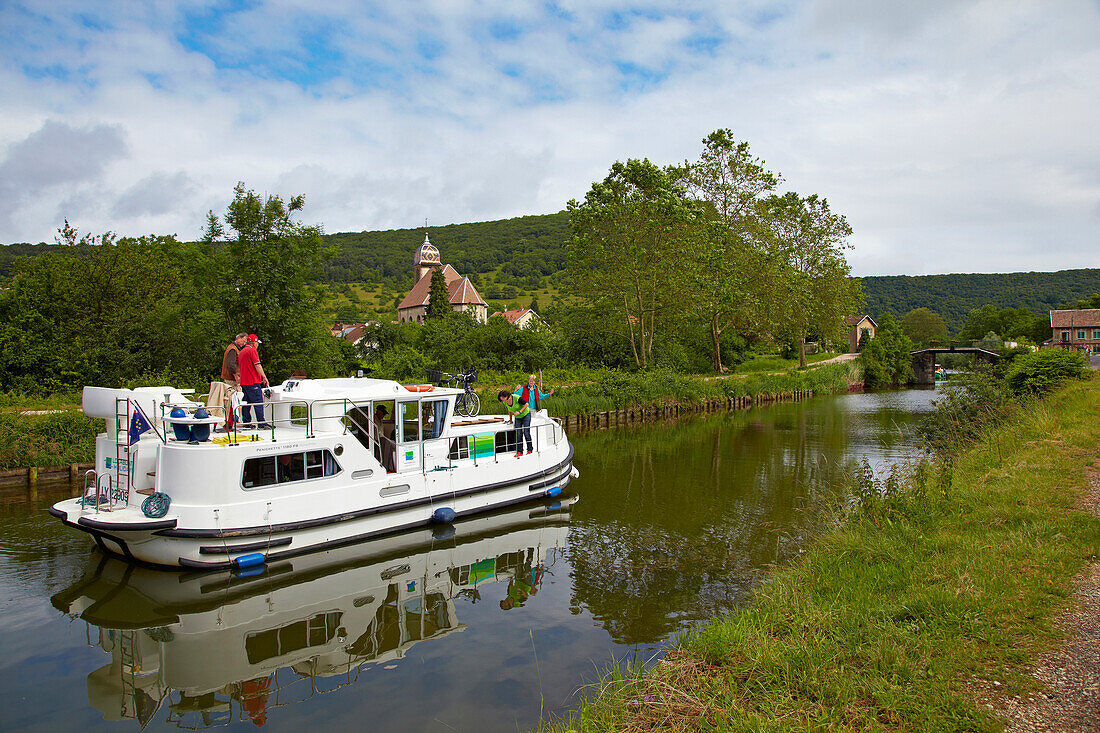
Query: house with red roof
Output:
(352,332)
(1075,330)
(521,318)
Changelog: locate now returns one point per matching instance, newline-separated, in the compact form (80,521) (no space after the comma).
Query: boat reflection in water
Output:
(223,646)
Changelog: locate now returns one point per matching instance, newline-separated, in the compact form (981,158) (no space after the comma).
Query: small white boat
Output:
(339,461)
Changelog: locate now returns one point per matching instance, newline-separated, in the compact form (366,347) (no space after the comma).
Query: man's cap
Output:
(254,338)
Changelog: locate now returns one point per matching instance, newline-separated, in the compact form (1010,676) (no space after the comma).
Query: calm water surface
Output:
(469,631)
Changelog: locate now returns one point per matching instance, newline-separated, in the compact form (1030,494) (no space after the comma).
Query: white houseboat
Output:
(337,461)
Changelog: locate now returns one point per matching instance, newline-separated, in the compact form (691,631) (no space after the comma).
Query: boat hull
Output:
(167,542)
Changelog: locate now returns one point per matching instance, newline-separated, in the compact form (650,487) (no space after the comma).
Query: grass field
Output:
(924,591)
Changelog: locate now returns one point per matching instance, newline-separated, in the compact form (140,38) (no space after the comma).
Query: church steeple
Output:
(427,257)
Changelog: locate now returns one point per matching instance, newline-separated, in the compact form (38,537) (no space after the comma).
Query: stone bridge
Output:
(924,360)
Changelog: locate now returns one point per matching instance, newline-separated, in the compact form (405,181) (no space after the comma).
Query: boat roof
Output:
(353,388)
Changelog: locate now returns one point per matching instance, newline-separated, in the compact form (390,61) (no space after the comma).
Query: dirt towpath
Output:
(1068,696)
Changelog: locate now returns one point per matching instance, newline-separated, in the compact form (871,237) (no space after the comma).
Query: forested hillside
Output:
(954,296)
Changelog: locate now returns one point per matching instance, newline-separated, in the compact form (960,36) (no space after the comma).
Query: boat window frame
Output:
(305,467)
(400,419)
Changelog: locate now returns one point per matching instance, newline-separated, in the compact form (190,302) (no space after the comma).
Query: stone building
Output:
(461,293)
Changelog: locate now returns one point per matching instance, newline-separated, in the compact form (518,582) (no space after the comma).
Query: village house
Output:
(1075,330)
(522,318)
(461,293)
(858,326)
(351,332)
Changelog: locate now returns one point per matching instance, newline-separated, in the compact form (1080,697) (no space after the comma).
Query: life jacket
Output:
(532,398)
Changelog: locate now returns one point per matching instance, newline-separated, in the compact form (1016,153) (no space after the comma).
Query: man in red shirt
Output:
(253,380)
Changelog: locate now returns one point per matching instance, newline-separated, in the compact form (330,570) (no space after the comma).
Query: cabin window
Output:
(288,467)
(460,448)
(433,415)
(357,420)
(408,414)
(507,441)
(292,637)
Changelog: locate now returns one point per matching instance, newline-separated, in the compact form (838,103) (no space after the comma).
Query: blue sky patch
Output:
(636,78)
(505,30)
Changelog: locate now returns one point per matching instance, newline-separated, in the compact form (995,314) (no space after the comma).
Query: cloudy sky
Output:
(955,136)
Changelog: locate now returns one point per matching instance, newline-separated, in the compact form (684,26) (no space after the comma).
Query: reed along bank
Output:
(929,588)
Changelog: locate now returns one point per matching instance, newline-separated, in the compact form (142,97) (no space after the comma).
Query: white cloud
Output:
(156,194)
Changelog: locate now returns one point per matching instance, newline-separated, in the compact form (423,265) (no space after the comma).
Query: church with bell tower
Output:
(461,293)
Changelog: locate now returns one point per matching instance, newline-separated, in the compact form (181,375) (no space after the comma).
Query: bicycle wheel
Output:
(473,404)
(460,406)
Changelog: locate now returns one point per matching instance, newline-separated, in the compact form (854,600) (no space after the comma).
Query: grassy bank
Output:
(928,590)
(618,390)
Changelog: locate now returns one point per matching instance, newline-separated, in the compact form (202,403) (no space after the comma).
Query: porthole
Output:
(338,450)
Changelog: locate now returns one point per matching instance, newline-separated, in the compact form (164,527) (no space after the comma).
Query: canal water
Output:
(482,628)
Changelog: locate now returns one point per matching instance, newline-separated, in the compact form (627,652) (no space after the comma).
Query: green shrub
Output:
(1040,372)
(971,402)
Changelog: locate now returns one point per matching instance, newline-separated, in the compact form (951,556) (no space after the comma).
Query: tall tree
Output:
(728,269)
(817,291)
(438,304)
(923,325)
(270,263)
(886,360)
(627,243)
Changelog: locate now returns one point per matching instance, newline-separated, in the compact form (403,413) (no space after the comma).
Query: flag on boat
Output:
(138,425)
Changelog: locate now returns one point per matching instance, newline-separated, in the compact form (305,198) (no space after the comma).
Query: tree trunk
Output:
(630,331)
(715,334)
(802,352)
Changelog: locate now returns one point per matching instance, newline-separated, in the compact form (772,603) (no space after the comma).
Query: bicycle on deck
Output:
(467,404)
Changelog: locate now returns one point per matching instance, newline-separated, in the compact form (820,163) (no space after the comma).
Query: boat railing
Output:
(441,453)
(100,498)
(454,453)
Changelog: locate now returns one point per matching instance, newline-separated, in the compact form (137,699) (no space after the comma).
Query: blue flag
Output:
(138,425)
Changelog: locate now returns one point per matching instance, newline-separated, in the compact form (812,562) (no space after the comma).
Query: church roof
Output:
(420,291)
(463,292)
(460,291)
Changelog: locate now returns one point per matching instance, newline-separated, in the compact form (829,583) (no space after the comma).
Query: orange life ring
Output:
(420,387)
